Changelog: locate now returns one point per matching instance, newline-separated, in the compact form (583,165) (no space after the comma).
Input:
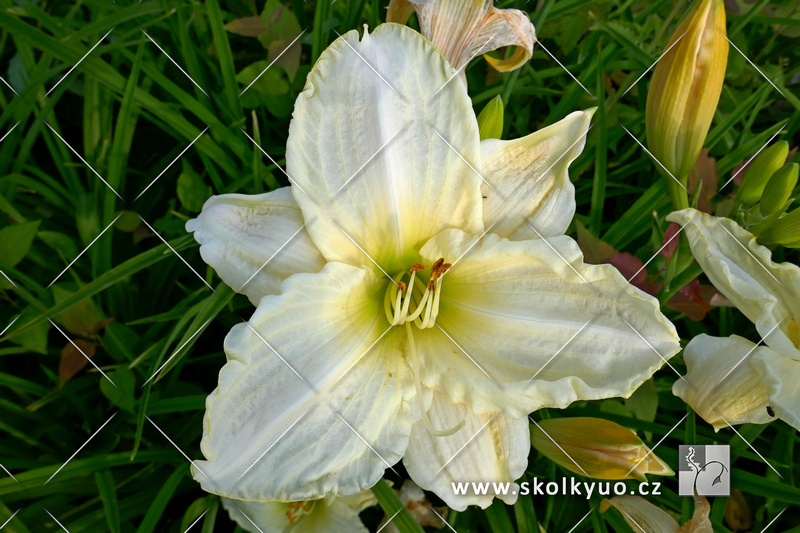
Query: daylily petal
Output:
(738,398)
(254,242)
(530,194)
(642,515)
(322,333)
(742,270)
(533,326)
(374,151)
(488,448)
(781,378)
(329,515)
(464,29)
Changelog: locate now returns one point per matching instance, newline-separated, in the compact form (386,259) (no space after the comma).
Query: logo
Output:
(705,469)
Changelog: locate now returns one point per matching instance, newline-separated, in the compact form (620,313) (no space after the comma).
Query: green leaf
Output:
(161,500)
(392,506)
(271,90)
(33,338)
(108,493)
(643,403)
(16,240)
(123,394)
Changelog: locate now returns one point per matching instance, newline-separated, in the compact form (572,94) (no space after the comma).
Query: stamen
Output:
(418,385)
(436,266)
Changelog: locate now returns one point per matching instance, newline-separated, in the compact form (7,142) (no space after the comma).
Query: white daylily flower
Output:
(465,29)
(385,353)
(732,380)
(643,516)
(328,515)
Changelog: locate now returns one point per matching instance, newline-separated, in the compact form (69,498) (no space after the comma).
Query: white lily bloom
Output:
(732,380)
(374,349)
(465,29)
(328,515)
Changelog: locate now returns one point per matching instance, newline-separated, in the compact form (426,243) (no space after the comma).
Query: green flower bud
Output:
(779,188)
(786,230)
(490,120)
(761,169)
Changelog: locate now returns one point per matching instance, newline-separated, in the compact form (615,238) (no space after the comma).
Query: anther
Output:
(416,267)
(436,266)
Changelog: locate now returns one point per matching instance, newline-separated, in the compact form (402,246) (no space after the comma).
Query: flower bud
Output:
(761,169)
(602,449)
(490,120)
(786,230)
(685,88)
(779,188)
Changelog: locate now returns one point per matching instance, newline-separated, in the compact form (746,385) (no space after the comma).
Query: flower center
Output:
(401,297)
(398,302)
(299,509)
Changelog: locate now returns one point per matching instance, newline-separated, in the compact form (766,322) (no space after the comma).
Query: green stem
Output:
(678,194)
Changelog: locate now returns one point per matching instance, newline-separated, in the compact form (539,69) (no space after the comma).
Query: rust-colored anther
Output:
(445,268)
(416,267)
(436,266)
(431,284)
(402,286)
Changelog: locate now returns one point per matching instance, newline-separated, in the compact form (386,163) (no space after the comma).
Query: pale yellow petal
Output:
(528,193)
(377,148)
(641,515)
(781,377)
(254,242)
(490,448)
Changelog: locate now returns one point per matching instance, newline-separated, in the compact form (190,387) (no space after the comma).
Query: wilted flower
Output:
(465,29)
(733,380)
(685,89)
(396,304)
(642,515)
(596,447)
(328,515)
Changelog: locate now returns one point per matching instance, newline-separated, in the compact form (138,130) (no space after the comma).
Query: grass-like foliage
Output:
(98,156)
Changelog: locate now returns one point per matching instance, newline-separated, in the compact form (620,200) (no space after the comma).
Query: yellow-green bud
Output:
(685,88)
(786,230)
(602,449)
(779,188)
(761,169)
(490,120)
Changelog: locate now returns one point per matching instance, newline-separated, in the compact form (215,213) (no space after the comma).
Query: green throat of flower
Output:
(398,302)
